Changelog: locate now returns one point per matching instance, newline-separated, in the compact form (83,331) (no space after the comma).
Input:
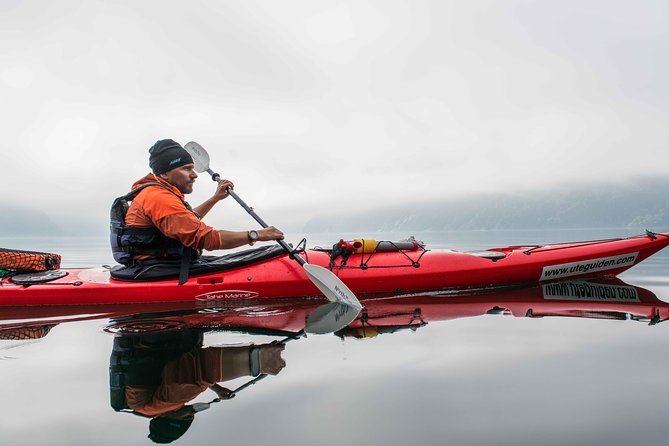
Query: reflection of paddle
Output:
(330,317)
(329,284)
(327,318)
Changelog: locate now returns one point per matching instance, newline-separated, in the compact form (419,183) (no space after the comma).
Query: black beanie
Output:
(167,154)
(165,430)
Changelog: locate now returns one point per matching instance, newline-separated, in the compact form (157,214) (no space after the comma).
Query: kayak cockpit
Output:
(153,270)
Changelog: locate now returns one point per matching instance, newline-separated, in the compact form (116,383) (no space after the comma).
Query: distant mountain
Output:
(642,203)
(20,221)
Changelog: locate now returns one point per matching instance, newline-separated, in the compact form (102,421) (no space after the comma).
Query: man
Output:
(159,223)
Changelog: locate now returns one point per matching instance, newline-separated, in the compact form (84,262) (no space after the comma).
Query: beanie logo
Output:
(174,161)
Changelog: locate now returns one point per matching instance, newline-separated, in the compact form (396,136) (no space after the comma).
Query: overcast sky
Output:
(310,106)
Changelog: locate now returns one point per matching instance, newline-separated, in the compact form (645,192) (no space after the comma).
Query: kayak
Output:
(273,274)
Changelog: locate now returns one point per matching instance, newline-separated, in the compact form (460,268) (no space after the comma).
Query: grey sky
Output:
(312,105)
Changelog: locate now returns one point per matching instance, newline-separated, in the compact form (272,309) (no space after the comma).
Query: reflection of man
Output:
(158,379)
(192,373)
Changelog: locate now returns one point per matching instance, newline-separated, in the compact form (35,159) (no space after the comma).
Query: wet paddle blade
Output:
(330,285)
(200,156)
(330,317)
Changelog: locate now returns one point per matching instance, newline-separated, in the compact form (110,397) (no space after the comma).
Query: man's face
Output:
(182,178)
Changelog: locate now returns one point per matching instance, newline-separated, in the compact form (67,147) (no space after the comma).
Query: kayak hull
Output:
(389,273)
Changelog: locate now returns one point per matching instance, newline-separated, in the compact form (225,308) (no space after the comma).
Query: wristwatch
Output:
(253,235)
(254,360)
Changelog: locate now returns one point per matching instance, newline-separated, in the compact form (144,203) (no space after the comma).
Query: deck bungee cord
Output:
(345,249)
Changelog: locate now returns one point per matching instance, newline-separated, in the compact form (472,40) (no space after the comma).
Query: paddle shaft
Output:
(252,213)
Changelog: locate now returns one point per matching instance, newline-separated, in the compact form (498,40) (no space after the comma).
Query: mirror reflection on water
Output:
(572,362)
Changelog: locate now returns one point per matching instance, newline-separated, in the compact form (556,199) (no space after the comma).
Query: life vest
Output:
(127,242)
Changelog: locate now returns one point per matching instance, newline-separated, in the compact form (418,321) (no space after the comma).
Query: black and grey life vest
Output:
(127,242)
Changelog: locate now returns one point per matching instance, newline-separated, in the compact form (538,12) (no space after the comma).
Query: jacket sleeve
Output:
(169,215)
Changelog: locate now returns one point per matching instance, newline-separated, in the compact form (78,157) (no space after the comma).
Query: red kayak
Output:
(272,274)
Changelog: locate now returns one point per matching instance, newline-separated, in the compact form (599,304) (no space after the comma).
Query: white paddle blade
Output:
(330,285)
(330,317)
(200,156)
(199,407)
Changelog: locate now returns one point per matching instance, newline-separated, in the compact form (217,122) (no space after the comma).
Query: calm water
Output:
(431,371)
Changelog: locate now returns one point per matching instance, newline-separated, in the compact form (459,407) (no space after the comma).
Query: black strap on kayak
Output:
(301,247)
(339,251)
(185,265)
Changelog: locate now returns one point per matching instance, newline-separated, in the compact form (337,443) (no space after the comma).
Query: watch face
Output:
(253,235)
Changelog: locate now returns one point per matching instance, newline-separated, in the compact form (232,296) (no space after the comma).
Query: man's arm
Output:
(178,223)
(220,194)
(234,239)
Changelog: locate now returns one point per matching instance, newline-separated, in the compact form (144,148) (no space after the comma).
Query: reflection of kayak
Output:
(603,298)
(610,299)
(272,274)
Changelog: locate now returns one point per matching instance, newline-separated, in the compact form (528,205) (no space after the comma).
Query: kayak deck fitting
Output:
(272,274)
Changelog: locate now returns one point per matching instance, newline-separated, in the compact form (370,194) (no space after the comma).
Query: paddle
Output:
(330,285)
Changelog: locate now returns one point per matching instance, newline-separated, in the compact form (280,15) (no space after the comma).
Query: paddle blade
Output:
(199,407)
(330,285)
(330,317)
(200,156)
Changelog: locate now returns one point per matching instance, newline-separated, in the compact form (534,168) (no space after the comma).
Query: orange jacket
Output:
(160,208)
(187,376)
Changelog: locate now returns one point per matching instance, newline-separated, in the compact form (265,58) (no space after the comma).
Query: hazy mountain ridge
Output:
(643,204)
(638,204)
(19,221)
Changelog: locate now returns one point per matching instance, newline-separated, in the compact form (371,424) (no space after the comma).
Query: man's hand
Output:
(271,361)
(222,392)
(269,233)
(220,194)
(222,190)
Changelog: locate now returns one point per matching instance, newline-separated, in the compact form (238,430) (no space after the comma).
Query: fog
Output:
(310,106)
